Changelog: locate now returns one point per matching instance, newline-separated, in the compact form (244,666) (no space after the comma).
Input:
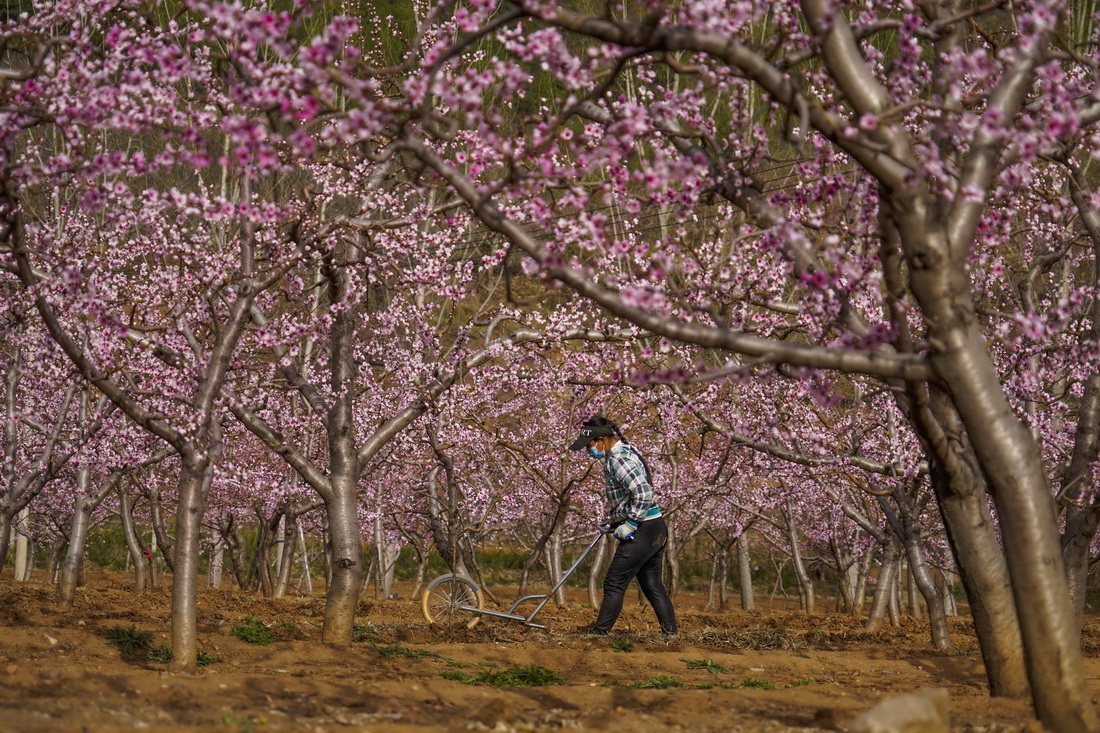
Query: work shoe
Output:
(591,632)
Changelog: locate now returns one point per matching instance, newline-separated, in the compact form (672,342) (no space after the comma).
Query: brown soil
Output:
(57,672)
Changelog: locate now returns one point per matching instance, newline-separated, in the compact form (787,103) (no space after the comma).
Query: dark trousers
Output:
(639,558)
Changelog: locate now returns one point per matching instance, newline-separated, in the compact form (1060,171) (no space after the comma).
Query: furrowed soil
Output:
(766,670)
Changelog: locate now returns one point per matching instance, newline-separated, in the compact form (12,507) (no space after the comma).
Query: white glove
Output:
(625,532)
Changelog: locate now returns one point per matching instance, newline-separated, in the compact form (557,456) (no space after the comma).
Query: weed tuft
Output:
(530,676)
(803,682)
(757,683)
(660,682)
(764,637)
(253,631)
(364,633)
(622,645)
(159,653)
(128,641)
(708,664)
(403,652)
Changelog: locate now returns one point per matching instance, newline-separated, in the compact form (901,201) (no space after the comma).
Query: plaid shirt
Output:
(630,497)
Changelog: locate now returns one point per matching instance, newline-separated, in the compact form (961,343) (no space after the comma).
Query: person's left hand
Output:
(624,532)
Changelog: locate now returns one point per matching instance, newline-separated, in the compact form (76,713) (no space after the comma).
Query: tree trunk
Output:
(217,564)
(719,575)
(596,571)
(744,572)
(194,482)
(22,549)
(917,576)
(5,540)
(387,553)
(888,568)
(553,554)
(1078,488)
(234,540)
(269,534)
(912,599)
(865,564)
(672,558)
(305,578)
(288,527)
(947,586)
(280,534)
(920,579)
(160,539)
(805,583)
(133,543)
(847,574)
(1010,462)
(894,607)
(980,561)
(1081,525)
(347,562)
(73,565)
(423,558)
(26,568)
(53,560)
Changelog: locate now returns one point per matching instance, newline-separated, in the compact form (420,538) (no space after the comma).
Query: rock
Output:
(922,712)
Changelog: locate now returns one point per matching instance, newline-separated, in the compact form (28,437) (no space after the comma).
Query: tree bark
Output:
(1010,461)
(744,572)
(906,528)
(888,569)
(596,570)
(194,483)
(1082,518)
(346,544)
(5,538)
(73,565)
(805,583)
(289,527)
(133,543)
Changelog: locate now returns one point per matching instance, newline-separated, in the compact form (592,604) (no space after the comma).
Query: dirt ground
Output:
(768,670)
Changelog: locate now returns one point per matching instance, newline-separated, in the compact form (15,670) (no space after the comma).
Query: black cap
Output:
(590,432)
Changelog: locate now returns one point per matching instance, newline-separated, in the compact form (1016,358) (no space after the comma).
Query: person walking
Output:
(635,516)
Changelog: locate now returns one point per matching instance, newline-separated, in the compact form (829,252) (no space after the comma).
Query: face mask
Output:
(596,453)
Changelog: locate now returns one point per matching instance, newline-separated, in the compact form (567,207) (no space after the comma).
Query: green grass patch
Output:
(757,683)
(403,652)
(660,682)
(803,682)
(364,633)
(623,646)
(530,676)
(133,642)
(253,631)
(160,653)
(708,664)
(128,641)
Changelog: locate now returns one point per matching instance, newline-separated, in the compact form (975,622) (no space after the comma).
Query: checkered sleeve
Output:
(634,495)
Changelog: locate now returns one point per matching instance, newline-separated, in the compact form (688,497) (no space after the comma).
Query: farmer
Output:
(638,526)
